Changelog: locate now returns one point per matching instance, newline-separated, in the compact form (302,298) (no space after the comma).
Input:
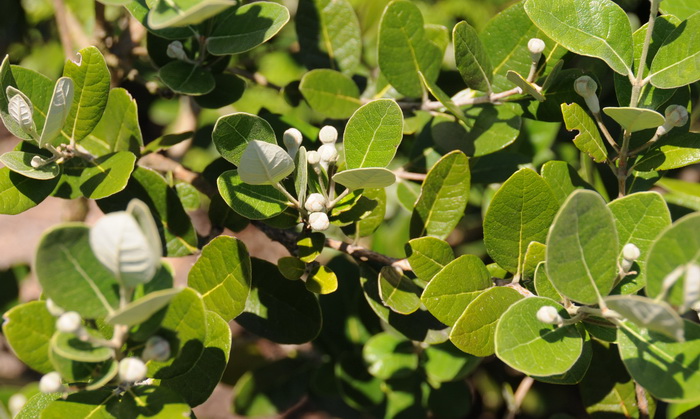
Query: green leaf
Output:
(197,384)
(405,397)
(28,329)
(404,49)
(322,280)
(370,222)
(578,370)
(445,363)
(639,219)
(677,62)
(663,366)
(588,138)
(443,197)
(140,9)
(91,79)
(533,347)
(672,151)
(106,175)
(244,28)
(427,256)
(682,9)
(598,29)
(256,202)
(189,196)
(310,246)
(454,287)
(278,309)
(36,404)
(291,268)
(365,177)
(473,331)
(69,346)
(656,316)
(263,163)
(36,87)
(329,35)
(118,130)
(222,274)
(444,99)
(169,13)
(229,88)
(472,61)
(233,132)
(301,174)
(635,119)
(520,212)
(21,162)
(534,254)
(330,93)
(398,292)
(356,385)
(686,194)
(373,134)
(524,85)
(543,286)
(19,193)
(71,275)
(562,179)
(582,249)
(165,142)
(61,102)
(389,356)
(142,309)
(187,78)
(678,245)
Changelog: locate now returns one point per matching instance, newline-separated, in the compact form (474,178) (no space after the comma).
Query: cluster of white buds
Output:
(536,47)
(318,221)
(51,383)
(328,135)
(292,140)
(69,322)
(177,51)
(315,203)
(549,315)
(586,88)
(156,349)
(327,151)
(676,116)
(132,370)
(313,158)
(630,253)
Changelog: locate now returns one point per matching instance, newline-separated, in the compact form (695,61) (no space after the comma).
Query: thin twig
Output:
(403,174)
(604,130)
(365,255)
(519,396)
(60,13)
(642,402)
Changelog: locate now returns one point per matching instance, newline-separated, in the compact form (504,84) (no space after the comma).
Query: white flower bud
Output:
(691,287)
(631,252)
(676,116)
(175,50)
(586,87)
(319,221)
(69,322)
(626,265)
(53,308)
(16,403)
(328,135)
(315,203)
(292,140)
(535,46)
(157,349)
(549,315)
(312,157)
(37,162)
(132,370)
(51,383)
(328,153)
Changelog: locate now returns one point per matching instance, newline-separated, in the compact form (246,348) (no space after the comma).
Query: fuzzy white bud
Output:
(586,88)
(319,221)
(691,287)
(69,322)
(315,203)
(16,403)
(328,135)
(292,140)
(157,349)
(176,50)
(132,370)
(631,252)
(328,153)
(312,157)
(51,383)
(37,162)
(675,116)
(549,315)
(53,308)
(535,46)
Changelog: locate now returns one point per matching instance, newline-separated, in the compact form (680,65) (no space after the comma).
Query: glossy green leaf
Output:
(528,345)
(389,356)
(534,254)
(473,331)
(365,177)
(672,151)
(635,119)
(118,130)
(562,179)
(373,134)
(61,102)
(174,13)
(244,28)
(256,202)
(71,275)
(19,193)
(106,175)
(233,132)
(263,163)
(140,9)
(91,81)
(682,9)
(454,287)
(472,60)
(322,280)
(663,366)
(187,78)
(398,292)
(443,197)
(678,245)
(521,212)
(142,309)
(278,309)
(329,35)
(677,62)
(656,316)
(588,139)
(28,329)
(404,49)
(370,222)
(639,219)
(21,162)
(445,363)
(428,255)
(679,192)
(598,29)
(291,268)
(357,386)
(310,246)
(330,93)
(524,85)
(71,347)
(582,248)
(189,196)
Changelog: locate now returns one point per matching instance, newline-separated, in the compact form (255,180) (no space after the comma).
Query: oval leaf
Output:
(656,316)
(263,163)
(366,177)
(142,309)
(28,329)
(373,134)
(256,202)
(21,162)
(233,132)
(398,292)
(428,255)
(677,62)
(472,61)
(244,28)
(635,119)
(330,93)
(61,103)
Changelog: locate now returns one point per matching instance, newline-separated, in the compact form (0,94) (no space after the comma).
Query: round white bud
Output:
(53,308)
(631,252)
(536,46)
(51,383)
(16,403)
(676,115)
(37,162)
(328,153)
(549,315)
(69,322)
(132,370)
(157,349)
(312,157)
(319,221)
(292,138)
(328,135)
(176,50)
(586,87)
(315,203)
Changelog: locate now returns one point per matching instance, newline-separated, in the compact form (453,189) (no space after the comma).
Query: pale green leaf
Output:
(682,9)
(373,134)
(656,316)
(256,202)
(322,280)
(389,357)
(524,85)
(398,292)
(244,28)
(140,310)
(330,93)
(21,162)
(445,363)
(677,62)
(428,255)
(28,329)
(118,130)
(365,177)
(534,254)
(233,132)
(543,286)
(672,151)
(291,268)
(588,138)
(562,179)
(61,102)
(263,163)
(635,119)
(174,13)
(71,347)
(106,175)
(472,60)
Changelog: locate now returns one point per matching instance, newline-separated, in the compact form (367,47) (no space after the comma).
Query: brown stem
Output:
(519,396)
(642,402)
(62,25)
